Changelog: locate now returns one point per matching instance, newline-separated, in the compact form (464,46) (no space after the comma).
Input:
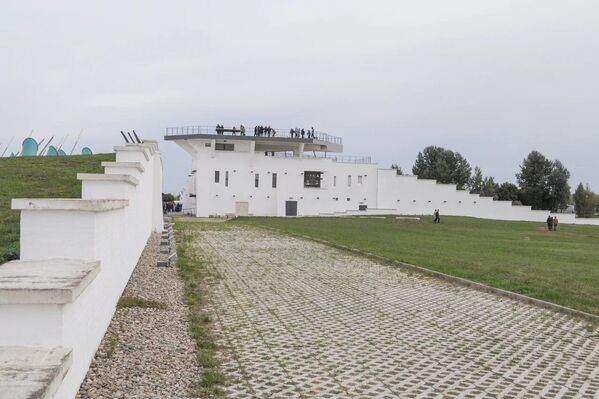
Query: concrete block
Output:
(54,281)
(103,177)
(68,204)
(32,373)
(135,165)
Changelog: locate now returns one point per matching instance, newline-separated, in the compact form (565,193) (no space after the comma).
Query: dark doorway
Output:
(290,208)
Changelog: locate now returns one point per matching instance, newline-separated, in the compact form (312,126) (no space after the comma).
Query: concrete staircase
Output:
(76,257)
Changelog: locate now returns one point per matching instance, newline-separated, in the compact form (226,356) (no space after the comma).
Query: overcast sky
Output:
(490,79)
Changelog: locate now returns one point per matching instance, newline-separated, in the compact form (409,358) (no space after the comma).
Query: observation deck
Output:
(279,140)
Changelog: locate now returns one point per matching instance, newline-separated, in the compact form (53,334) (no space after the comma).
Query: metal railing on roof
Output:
(234,131)
(334,158)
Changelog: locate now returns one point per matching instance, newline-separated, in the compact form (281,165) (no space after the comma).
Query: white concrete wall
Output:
(115,237)
(242,167)
(382,190)
(589,221)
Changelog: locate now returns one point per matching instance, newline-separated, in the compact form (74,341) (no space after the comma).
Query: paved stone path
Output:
(300,319)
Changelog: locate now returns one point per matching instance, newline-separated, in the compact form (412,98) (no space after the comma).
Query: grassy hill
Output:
(560,267)
(38,177)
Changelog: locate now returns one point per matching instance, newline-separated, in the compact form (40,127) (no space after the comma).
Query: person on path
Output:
(555,223)
(549,223)
(242,130)
(437,217)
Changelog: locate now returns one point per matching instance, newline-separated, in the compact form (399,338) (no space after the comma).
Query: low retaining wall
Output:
(110,226)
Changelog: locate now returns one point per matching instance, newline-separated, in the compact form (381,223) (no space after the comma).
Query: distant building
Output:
(295,176)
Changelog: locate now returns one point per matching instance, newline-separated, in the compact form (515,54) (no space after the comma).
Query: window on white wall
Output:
(274,180)
(334,181)
(256,180)
(312,178)
(224,147)
(227,178)
(349,181)
(217,176)
(359,179)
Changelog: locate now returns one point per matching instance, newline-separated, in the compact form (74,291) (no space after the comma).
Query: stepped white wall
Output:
(409,195)
(115,236)
(382,190)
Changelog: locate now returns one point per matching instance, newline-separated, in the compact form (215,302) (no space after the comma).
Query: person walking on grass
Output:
(437,217)
(549,223)
(555,223)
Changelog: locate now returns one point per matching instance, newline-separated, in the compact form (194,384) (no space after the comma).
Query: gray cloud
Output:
(493,80)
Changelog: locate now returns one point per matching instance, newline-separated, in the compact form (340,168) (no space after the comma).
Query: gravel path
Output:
(300,319)
(146,352)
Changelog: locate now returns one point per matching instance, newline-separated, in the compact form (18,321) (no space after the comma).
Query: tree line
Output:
(541,183)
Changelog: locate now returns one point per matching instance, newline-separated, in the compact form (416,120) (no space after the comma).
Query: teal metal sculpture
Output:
(29,147)
(52,151)
(86,151)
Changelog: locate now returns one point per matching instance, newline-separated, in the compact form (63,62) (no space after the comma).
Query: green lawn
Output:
(38,177)
(560,267)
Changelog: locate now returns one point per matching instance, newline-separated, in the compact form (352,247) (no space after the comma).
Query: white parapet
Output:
(76,258)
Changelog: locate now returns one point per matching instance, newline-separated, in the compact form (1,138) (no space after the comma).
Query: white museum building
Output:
(285,174)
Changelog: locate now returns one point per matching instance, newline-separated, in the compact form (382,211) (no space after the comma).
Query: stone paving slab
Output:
(300,319)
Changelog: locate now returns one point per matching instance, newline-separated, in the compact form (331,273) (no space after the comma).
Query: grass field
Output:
(560,267)
(38,177)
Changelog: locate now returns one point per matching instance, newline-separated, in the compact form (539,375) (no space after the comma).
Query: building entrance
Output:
(241,209)
(290,208)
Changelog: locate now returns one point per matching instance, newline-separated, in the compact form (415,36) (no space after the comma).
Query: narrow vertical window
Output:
(217,176)
(226,178)
(274,180)
(334,181)
(349,181)
(256,180)
(359,179)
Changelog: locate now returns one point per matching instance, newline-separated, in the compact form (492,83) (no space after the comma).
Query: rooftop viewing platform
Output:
(273,139)
(334,158)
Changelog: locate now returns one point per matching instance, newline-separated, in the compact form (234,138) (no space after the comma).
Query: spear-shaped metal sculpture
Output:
(76,141)
(46,146)
(8,145)
(125,137)
(62,142)
(136,138)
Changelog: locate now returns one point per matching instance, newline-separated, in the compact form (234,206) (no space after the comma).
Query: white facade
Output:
(238,180)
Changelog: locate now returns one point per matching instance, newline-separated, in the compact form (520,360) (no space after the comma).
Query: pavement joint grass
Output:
(557,268)
(298,318)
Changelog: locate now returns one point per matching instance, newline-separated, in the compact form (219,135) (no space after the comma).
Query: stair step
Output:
(136,165)
(134,148)
(53,281)
(70,204)
(103,177)
(31,372)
